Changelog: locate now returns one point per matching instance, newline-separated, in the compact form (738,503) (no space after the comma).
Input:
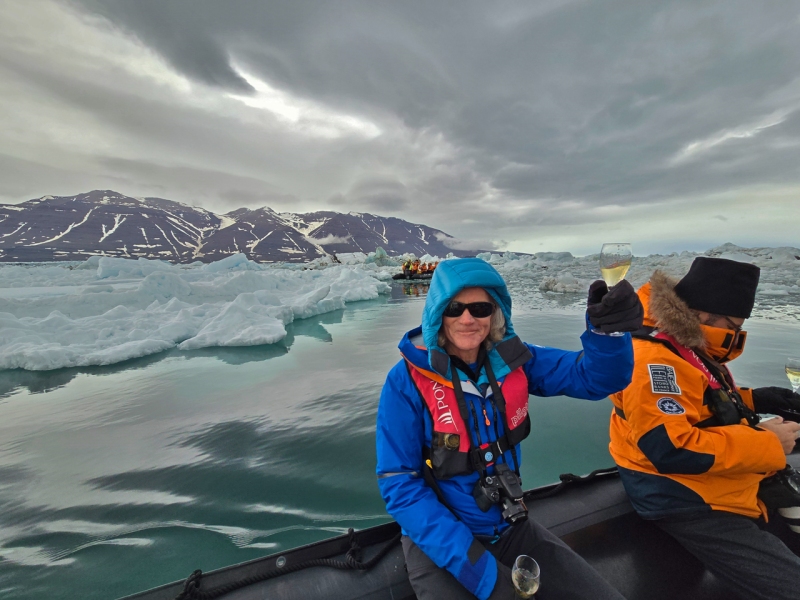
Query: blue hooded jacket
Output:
(405,426)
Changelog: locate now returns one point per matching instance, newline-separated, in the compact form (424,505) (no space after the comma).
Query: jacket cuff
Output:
(774,456)
(479,572)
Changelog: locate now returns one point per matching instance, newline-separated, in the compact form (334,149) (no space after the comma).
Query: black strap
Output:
(460,364)
(499,401)
(568,479)
(722,375)
(430,479)
(478,455)
(498,404)
(620,413)
(462,407)
(644,332)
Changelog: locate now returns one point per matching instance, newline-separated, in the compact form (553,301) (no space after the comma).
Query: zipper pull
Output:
(486,417)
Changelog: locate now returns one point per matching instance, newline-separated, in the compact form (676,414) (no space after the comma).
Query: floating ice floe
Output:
(559,279)
(107,310)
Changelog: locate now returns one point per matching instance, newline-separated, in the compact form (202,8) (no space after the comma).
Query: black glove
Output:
(781,490)
(617,310)
(504,588)
(777,401)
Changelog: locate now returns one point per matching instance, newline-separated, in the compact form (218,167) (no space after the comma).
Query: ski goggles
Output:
(479,310)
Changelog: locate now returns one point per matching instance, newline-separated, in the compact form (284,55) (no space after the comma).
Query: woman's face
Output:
(465,334)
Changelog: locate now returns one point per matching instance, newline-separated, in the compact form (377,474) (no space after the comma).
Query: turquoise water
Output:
(118,479)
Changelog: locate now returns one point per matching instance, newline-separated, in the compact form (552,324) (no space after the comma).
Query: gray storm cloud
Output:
(556,123)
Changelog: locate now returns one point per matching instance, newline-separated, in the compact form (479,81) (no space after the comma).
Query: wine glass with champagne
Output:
(525,575)
(615,260)
(793,372)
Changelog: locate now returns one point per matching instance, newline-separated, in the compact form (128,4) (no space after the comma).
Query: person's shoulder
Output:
(399,386)
(646,352)
(642,347)
(398,375)
(399,368)
(655,361)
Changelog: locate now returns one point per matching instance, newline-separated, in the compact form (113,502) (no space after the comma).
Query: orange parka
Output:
(669,465)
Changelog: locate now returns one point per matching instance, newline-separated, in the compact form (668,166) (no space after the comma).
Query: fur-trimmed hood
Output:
(667,312)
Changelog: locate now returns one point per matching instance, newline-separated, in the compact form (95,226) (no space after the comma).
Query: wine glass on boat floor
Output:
(615,260)
(793,372)
(525,575)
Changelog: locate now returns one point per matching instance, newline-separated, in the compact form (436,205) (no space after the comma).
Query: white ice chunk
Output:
(130,308)
(564,283)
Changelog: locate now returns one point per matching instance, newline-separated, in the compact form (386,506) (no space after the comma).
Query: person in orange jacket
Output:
(687,440)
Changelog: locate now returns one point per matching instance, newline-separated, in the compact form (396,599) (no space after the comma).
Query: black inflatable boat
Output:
(412,277)
(592,515)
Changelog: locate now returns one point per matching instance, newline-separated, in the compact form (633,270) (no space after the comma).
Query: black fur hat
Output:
(720,286)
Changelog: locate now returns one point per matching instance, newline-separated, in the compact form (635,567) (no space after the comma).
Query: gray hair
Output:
(497,328)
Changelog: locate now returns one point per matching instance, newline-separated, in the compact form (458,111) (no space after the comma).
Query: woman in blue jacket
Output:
(452,414)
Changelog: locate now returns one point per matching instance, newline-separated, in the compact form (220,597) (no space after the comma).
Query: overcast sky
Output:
(534,125)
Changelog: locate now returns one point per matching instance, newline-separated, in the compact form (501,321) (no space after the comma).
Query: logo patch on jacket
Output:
(670,406)
(662,380)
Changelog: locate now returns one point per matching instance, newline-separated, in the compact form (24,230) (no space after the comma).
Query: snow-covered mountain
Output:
(108,223)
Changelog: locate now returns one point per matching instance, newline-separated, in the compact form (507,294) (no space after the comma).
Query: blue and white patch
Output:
(663,380)
(670,406)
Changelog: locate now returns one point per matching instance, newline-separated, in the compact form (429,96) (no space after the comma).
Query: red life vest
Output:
(451,452)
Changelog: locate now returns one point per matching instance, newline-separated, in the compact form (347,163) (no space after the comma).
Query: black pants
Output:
(565,575)
(752,562)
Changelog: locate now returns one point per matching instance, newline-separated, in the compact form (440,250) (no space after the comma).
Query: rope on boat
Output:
(192,591)
(570,479)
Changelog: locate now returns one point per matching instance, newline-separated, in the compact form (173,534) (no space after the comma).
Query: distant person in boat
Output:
(690,449)
(452,415)
(407,268)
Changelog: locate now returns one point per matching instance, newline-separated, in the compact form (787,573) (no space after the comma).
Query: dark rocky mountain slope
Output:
(105,222)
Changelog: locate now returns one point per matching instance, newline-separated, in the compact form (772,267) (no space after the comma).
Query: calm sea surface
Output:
(114,480)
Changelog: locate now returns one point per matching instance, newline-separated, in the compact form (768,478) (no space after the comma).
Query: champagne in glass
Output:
(793,372)
(525,575)
(615,260)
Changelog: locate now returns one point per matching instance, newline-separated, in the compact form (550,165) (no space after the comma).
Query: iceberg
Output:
(548,280)
(107,310)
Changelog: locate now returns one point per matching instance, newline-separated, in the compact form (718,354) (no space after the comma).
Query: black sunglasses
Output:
(479,310)
(734,326)
(728,321)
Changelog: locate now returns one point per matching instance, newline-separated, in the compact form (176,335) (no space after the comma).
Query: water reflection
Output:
(39,382)
(403,290)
